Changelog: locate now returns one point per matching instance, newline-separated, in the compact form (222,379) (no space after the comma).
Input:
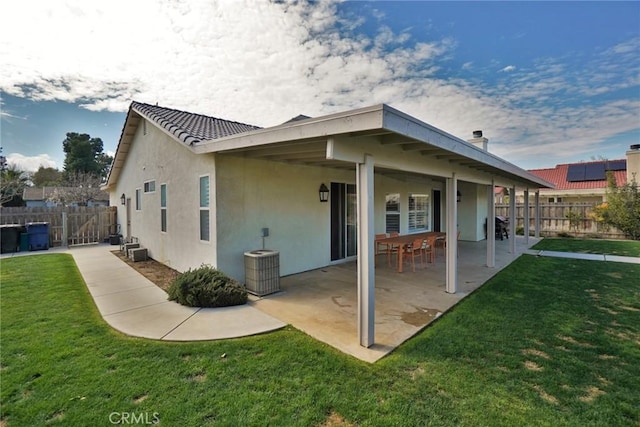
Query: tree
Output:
(46,177)
(84,155)
(574,217)
(12,184)
(622,209)
(79,187)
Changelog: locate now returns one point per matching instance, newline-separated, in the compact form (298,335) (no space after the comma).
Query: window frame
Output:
(392,213)
(163,208)
(147,185)
(416,212)
(138,199)
(204,207)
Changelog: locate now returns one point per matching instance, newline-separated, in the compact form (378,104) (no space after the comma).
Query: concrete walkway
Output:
(590,257)
(135,306)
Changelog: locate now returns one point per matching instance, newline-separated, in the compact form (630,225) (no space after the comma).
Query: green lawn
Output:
(594,246)
(546,342)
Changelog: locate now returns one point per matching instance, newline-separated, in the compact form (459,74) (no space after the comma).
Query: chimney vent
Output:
(478,140)
(634,147)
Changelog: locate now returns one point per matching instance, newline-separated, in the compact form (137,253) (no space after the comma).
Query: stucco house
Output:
(195,189)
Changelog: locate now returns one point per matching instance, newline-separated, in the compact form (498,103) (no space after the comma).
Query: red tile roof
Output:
(558,176)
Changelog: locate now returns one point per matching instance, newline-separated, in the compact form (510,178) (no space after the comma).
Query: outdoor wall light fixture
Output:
(324,193)
(123,199)
(458,196)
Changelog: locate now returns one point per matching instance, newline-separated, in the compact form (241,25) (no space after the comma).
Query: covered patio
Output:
(324,302)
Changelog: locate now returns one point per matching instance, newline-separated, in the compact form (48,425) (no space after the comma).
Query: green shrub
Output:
(564,235)
(206,287)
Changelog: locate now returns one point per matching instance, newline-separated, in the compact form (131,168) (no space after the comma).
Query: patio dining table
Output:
(406,239)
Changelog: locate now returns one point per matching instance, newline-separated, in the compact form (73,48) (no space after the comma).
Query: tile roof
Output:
(558,176)
(190,128)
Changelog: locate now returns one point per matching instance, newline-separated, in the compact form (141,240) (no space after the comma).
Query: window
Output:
(138,199)
(393,213)
(204,208)
(149,186)
(163,207)
(418,212)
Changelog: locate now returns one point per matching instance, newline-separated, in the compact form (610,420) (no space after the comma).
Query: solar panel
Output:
(617,165)
(594,172)
(576,172)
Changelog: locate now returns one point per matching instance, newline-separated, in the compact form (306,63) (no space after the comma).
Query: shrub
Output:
(564,235)
(206,287)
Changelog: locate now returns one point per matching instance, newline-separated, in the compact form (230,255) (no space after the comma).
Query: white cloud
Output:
(30,163)
(265,62)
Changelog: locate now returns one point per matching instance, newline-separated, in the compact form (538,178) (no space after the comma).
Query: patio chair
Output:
(392,250)
(442,242)
(417,248)
(429,247)
(380,247)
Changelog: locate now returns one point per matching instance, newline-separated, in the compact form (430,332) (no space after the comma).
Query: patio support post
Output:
(526,217)
(536,222)
(452,235)
(491,226)
(366,260)
(513,219)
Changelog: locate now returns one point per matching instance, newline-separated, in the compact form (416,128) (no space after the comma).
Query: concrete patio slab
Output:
(323,302)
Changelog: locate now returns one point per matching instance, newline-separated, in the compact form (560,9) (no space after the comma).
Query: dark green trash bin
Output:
(10,237)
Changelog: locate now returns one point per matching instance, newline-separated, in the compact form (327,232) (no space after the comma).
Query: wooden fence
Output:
(554,219)
(68,226)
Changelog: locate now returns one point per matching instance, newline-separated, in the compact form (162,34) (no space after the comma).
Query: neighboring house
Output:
(585,182)
(36,197)
(198,189)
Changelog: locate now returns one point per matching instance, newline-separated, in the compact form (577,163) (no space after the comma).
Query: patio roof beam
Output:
(414,146)
(315,155)
(447,156)
(282,149)
(395,139)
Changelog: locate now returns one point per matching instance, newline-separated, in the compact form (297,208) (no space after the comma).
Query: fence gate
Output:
(68,226)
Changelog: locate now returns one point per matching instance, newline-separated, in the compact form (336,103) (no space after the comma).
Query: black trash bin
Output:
(10,238)
(38,235)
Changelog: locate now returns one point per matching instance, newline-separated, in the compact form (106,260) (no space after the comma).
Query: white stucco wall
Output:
(386,185)
(155,156)
(472,211)
(255,194)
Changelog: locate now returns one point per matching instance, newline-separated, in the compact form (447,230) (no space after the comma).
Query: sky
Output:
(547,82)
